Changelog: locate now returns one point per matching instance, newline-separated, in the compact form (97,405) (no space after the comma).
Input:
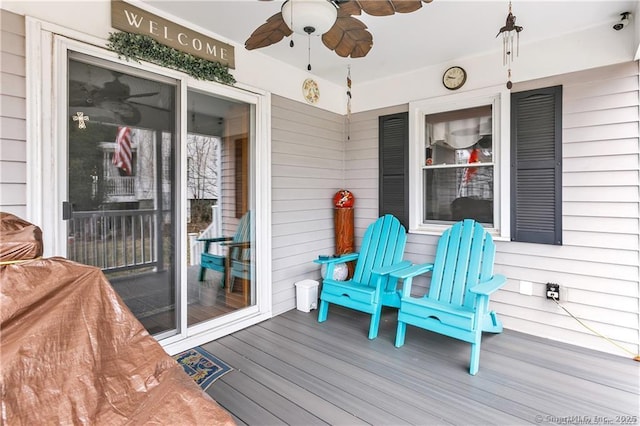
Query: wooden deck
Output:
(293,370)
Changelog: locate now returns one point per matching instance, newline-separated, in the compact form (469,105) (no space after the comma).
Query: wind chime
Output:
(348,102)
(510,43)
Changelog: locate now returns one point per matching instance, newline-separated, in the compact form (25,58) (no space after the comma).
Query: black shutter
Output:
(536,166)
(393,155)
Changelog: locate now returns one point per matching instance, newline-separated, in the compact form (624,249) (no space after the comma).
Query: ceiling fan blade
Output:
(349,8)
(159,108)
(378,7)
(142,95)
(274,30)
(348,38)
(382,7)
(407,6)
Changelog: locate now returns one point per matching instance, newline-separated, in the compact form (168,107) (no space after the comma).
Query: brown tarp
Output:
(71,352)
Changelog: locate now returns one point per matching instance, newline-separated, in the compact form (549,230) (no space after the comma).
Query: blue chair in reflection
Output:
(238,254)
(371,287)
(462,279)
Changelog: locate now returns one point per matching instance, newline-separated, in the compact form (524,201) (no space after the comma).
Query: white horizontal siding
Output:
(600,178)
(307,150)
(13,130)
(598,264)
(612,209)
(591,239)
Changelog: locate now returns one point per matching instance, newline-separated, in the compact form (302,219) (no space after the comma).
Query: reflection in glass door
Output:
(220,270)
(121,206)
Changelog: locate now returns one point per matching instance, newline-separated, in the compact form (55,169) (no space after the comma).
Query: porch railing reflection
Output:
(120,186)
(114,240)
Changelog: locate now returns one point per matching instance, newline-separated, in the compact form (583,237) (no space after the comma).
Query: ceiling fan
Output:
(114,96)
(333,19)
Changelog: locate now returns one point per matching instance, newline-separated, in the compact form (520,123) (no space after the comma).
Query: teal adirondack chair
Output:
(237,250)
(457,304)
(371,286)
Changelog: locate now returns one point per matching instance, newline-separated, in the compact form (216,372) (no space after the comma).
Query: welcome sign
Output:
(131,19)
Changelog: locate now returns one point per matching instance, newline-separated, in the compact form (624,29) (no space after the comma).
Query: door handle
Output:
(67,210)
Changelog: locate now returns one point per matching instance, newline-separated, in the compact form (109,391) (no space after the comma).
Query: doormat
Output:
(203,367)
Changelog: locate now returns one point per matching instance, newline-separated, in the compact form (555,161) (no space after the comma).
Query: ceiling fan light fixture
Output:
(313,17)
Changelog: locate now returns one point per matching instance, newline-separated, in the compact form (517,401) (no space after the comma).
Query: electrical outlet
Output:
(553,291)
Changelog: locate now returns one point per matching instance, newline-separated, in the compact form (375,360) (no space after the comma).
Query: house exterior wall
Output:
(307,148)
(13,112)
(598,264)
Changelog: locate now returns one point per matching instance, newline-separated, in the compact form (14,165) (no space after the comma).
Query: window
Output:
(456,160)
(459,169)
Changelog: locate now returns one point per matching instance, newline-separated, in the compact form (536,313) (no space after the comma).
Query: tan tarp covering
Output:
(72,353)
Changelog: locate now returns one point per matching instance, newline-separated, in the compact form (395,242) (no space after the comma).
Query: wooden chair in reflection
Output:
(235,265)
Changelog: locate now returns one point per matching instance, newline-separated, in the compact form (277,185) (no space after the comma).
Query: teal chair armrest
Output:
(215,239)
(407,274)
(488,287)
(208,241)
(340,259)
(413,271)
(386,270)
(241,244)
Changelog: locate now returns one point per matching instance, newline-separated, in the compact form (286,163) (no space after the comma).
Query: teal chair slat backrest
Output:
(464,258)
(371,287)
(239,251)
(462,279)
(383,244)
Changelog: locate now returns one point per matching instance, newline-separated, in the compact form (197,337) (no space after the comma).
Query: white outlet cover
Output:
(526,288)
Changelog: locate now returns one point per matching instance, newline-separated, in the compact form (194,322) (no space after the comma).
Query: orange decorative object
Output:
(343,222)
(343,199)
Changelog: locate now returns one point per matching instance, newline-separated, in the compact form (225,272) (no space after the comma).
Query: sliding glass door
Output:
(123,183)
(220,270)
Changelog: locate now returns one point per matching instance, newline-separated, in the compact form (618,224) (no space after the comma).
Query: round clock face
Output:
(454,78)
(310,91)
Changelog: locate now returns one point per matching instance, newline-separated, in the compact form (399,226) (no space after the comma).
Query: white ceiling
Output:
(439,32)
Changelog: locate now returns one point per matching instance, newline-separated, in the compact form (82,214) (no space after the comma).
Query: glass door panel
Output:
(220,270)
(121,206)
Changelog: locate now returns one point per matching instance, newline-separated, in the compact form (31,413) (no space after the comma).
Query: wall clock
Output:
(310,91)
(454,78)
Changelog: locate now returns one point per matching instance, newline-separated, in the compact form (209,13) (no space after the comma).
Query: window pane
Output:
(220,277)
(457,193)
(453,190)
(459,137)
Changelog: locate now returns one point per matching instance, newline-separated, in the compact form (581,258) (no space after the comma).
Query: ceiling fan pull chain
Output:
(309,51)
(291,44)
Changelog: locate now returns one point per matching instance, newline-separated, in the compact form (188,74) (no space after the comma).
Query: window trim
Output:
(499,98)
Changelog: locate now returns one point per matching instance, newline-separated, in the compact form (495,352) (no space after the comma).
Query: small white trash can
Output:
(306,295)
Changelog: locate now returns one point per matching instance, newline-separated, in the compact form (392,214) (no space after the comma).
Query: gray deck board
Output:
(380,392)
(293,370)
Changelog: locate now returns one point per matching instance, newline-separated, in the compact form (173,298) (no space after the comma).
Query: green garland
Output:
(141,47)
